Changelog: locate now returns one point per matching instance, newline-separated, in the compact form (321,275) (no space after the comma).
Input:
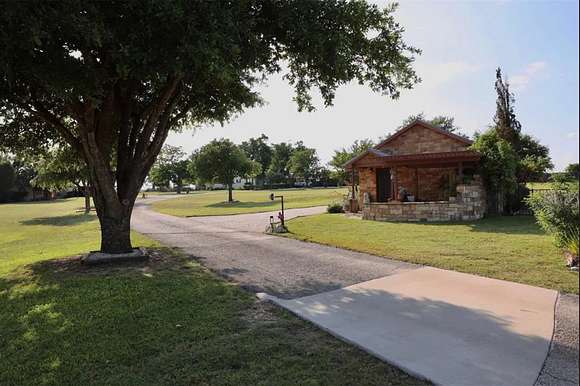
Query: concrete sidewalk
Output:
(451,328)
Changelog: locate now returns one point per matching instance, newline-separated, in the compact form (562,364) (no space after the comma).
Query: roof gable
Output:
(426,125)
(380,151)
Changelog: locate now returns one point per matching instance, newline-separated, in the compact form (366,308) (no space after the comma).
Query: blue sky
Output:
(535,43)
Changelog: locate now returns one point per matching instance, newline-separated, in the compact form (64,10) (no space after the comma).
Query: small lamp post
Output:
(272,197)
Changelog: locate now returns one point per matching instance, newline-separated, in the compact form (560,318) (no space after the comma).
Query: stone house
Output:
(420,173)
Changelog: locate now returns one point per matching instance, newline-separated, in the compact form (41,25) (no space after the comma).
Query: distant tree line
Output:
(262,166)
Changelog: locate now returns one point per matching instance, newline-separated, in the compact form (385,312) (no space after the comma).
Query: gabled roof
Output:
(427,125)
(381,153)
(460,155)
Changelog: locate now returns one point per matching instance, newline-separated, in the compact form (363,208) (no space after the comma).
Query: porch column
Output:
(352,178)
(417,184)
(394,191)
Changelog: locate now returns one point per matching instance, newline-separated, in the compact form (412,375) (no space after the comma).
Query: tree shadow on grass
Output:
(66,220)
(514,225)
(61,321)
(240,204)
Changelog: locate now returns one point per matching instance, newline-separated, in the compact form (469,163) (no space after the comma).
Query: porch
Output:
(417,187)
(467,204)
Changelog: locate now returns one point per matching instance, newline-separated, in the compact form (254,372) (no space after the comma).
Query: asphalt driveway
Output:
(236,247)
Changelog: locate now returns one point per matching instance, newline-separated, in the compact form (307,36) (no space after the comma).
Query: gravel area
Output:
(236,248)
(561,366)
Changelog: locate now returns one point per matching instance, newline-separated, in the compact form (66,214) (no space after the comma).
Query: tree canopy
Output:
(445,122)
(498,166)
(281,153)
(343,155)
(60,168)
(171,167)
(258,149)
(572,171)
(222,161)
(304,164)
(113,78)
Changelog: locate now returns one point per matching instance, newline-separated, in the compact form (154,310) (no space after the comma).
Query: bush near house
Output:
(335,207)
(557,212)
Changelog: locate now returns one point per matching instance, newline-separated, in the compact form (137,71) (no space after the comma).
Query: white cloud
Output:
(520,81)
(572,135)
(436,74)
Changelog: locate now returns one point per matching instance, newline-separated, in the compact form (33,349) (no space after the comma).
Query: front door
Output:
(383,185)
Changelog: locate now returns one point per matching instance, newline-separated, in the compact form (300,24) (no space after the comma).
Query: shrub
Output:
(557,212)
(335,207)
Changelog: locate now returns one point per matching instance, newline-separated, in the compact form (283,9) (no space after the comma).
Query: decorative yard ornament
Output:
(281,213)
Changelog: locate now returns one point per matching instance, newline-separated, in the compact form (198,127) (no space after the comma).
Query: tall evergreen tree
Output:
(507,125)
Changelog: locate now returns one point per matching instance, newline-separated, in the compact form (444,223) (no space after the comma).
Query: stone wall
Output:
(469,204)
(420,139)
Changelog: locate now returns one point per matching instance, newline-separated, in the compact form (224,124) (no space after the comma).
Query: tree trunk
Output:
(230,194)
(87,192)
(116,234)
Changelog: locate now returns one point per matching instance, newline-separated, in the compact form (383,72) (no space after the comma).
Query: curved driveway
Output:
(452,328)
(236,247)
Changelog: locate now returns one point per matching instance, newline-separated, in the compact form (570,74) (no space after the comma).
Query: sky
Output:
(462,42)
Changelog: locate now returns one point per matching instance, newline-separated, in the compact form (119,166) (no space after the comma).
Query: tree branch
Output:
(43,113)
(158,108)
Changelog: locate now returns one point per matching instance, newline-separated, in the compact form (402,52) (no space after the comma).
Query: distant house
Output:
(238,183)
(420,173)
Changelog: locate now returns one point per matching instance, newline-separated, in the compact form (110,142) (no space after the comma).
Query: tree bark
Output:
(230,194)
(116,234)
(87,192)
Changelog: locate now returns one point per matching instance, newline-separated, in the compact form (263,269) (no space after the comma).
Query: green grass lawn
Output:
(248,201)
(546,185)
(42,230)
(508,248)
(539,185)
(167,321)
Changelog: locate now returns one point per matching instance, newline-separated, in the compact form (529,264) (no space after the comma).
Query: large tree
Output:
(498,167)
(304,164)
(222,161)
(279,165)
(113,78)
(534,159)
